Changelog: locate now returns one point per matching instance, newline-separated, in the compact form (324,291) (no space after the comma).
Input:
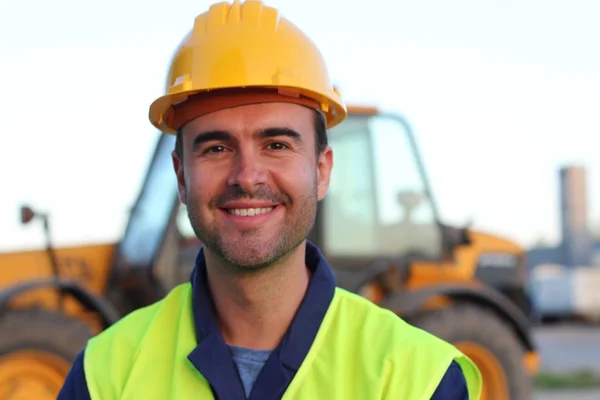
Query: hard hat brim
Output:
(329,104)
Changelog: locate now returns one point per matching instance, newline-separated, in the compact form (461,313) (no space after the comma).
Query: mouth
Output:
(249,217)
(249,212)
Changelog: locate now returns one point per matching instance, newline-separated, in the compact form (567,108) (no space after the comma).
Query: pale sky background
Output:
(499,94)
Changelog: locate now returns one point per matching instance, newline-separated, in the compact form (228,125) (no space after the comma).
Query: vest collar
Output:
(212,357)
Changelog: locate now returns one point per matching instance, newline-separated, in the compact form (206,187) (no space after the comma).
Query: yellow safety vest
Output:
(361,351)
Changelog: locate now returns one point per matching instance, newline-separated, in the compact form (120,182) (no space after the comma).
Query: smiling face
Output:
(251,180)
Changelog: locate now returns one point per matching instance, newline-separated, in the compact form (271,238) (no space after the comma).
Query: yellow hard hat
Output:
(251,50)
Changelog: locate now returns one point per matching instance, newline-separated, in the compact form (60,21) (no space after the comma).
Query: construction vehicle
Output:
(378,227)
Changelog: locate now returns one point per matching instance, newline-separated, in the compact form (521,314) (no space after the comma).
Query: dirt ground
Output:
(567,395)
(568,348)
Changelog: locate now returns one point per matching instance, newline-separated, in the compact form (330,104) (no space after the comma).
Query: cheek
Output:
(203,183)
(297,180)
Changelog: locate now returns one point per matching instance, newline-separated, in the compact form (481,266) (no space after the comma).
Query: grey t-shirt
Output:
(249,364)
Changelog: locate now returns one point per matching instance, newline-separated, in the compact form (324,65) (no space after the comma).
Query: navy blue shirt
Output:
(220,365)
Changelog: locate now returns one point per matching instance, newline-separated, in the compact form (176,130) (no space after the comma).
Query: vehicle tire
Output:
(37,349)
(483,336)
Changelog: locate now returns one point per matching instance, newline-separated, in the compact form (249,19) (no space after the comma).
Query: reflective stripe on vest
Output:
(360,352)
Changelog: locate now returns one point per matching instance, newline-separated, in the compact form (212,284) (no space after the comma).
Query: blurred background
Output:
(502,99)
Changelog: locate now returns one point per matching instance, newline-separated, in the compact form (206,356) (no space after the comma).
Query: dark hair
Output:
(320,130)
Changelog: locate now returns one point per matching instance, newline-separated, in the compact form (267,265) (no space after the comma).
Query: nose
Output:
(247,171)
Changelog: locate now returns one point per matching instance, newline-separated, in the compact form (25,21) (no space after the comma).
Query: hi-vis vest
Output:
(360,352)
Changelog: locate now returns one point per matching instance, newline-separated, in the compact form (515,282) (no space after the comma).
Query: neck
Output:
(254,309)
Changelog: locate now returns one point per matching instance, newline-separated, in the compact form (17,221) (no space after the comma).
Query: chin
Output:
(251,257)
(252,254)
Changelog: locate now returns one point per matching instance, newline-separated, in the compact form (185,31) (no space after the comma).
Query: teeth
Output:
(248,212)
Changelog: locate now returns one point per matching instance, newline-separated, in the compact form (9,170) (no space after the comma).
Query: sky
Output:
(500,95)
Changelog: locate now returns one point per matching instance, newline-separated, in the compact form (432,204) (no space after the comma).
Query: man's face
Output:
(251,180)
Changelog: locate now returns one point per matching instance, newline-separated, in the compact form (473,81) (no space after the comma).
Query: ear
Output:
(324,167)
(178,167)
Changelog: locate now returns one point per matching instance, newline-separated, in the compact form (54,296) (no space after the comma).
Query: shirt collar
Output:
(211,356)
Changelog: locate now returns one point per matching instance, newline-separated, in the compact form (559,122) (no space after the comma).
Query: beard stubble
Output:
(256,248)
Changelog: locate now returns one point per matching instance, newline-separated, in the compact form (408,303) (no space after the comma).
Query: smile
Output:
(245,216)
(249,212)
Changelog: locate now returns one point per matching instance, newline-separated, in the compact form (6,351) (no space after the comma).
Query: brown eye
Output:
(277,146)
(215,149)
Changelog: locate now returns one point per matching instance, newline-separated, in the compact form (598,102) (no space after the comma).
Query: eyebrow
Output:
(210,136)
(275,132)
(224,136)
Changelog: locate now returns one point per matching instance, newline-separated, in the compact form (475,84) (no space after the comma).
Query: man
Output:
(250,99)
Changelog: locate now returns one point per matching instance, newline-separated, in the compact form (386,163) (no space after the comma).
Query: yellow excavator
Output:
(378,226)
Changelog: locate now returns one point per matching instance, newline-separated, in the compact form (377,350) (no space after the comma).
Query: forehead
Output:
(248,119)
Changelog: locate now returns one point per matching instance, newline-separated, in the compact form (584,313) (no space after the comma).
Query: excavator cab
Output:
(379,209)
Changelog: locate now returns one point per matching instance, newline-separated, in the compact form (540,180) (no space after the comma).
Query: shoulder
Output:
(380,325)
(364,311)
(120,337)
(404,349)
(453,385)
(366,314)
(109,355)
(121,341)
(75,385)
(130,328)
